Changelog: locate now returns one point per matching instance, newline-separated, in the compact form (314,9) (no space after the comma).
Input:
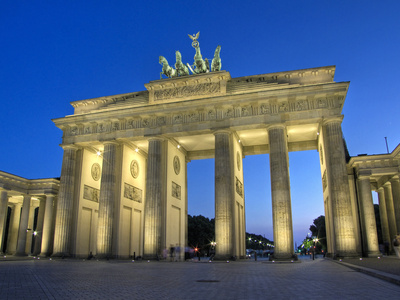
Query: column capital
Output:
(275,126)
(157,138)
(70,147)
(336,119)
(222,131)
(395,178)
(364,174)
(111,142)
(387,184)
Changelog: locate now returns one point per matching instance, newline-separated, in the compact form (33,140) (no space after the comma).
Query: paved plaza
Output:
(31,278)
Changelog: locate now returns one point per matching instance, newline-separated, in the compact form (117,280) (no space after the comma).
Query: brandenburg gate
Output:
(123,186)
(124,173)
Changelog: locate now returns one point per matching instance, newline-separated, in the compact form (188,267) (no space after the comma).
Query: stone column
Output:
(224,195)
(108,194)
(3,216)
(39,228)
(154,204)
(383,216)
(369,231)
(47,226)
(339,190)
(280,191)
(29,233)
(390,211)
(23,226)
(396,200)
(13,230)
(62,231)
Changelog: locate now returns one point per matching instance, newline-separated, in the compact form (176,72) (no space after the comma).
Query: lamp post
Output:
(315,240)
(212,250)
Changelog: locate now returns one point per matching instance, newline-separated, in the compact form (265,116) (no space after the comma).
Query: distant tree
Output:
(257,242)
(201,232)
(318,230)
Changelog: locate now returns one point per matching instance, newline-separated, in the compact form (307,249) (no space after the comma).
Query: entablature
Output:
(15,185)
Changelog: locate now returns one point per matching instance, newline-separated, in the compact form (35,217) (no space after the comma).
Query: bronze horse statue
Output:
(181,69)
(199,63)
(216,62)
(167,70)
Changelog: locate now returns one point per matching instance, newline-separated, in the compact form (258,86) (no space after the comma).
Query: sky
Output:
(55,52)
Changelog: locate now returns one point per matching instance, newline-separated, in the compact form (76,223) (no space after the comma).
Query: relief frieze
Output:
(324,182)
(188,91)
(90,193)
(283,107)
(265,109)
(176,190)
(239,187)
(269,107)
(133,193)
(177,119)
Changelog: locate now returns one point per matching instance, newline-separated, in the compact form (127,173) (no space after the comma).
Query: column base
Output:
(104,256)
(156,257)
(374,254)
(61,255)
(283,258)
(346,255)
(224,258)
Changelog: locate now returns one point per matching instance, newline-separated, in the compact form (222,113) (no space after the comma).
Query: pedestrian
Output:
(171,252)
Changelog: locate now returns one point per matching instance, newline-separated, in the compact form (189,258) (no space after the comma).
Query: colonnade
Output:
(229,195)
(229,200)
(389,209)
(20,226)
(378,173)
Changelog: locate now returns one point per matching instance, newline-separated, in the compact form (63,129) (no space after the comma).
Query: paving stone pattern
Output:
(77,279)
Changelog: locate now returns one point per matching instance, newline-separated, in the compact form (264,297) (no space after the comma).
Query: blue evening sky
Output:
(55,52)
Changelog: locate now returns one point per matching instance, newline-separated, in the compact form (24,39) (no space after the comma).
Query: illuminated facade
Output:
(123,186)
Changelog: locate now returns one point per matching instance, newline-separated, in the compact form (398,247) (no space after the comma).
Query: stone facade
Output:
(123,186)
(378,173)
(27,208)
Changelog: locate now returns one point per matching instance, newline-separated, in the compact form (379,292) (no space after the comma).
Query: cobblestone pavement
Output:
(77,279)
(388,264)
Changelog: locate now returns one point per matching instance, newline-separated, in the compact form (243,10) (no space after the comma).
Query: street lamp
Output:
(315,240)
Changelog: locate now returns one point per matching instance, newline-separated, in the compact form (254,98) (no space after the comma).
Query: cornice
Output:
(13,183)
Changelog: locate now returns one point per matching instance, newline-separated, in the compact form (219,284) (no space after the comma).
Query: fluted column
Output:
(153,211)
(383,216)
(62,231)
(224,195)
(47,226)
(396,200)
(369,231)
(280,191)
(108,194)
(390,211)
(14,227)
(23,226)
(3,216)
(39,228)
(339,190)
(30,232)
